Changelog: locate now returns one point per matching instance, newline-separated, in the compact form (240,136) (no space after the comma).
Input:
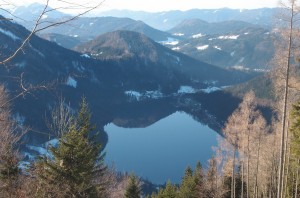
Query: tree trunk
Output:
(297,177)
(286,161)
(257,165)
(248,165)
(233,175)
(284,110)
(242,190)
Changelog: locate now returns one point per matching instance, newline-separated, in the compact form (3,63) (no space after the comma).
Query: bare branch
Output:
(28,37)
(38,22)
(70,19)
(60,118)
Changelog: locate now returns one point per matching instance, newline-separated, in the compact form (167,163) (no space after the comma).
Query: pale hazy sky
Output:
(164,5)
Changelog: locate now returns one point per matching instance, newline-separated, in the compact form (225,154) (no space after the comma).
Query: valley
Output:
(165,90)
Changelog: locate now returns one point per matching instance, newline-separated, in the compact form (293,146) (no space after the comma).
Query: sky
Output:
(165,5)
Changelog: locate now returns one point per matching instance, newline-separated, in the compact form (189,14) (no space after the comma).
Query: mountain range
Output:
(220,40)
(109,84)
(169,19)
(85,29)
(136,47)
(235,44)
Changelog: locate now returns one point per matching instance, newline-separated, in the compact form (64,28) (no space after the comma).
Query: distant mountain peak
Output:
(121,44)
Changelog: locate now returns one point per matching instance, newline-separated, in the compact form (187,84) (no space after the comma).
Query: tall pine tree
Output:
(76,162)
(133,189)
(188,187)
(199,179)
(169,191)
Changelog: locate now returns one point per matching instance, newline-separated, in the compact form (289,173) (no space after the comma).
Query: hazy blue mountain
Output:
(89,28)
(32,11)
(169,19)
(68,42)
(194,27)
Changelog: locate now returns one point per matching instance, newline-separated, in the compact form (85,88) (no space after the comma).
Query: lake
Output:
(162,151)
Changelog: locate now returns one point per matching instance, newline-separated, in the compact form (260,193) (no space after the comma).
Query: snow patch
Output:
(246,33)
(210,89)
(176,48)
(195,36)
(178,34)
(97,54)
(153,94)
(240,67)
(85,56)
(44,16)
(39,150)
(186,90)
(260,70)
(165,21)
(10,34)
(232,37)
(91,24)
(203,47)
(71,82)
(170,41)
(148,94)
(53,143)
(232,53)
(133,94)
(217,47)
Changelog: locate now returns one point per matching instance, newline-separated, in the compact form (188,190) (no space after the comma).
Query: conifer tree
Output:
(295,130)
(188,172)
(295,146)
(76,162)
(199,175)
(169,191)
(188,187)
(133,189)
(199,179)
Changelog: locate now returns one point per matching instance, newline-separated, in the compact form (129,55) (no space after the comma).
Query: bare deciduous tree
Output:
(10,136)
(286,56)
(60,118)
(246,133)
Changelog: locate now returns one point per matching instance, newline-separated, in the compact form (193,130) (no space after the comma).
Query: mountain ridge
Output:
(136,46)
(169,19)
(103,82)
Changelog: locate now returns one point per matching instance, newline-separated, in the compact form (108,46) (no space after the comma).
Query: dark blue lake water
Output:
(162,151)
